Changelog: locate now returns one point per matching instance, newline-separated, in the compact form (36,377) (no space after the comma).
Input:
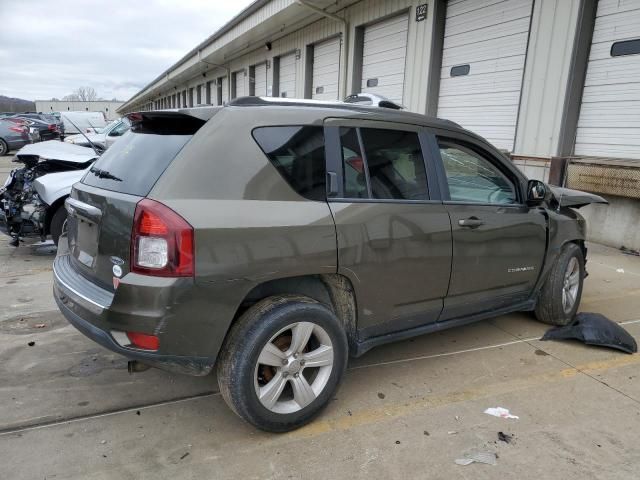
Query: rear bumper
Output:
(90,309)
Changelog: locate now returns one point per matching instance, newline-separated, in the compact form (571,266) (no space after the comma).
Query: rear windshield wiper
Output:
(104,174)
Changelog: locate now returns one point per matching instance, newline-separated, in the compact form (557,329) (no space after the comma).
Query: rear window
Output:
(134,163)
(298,154)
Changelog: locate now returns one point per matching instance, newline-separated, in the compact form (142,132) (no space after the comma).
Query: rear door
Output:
(102,206)
(394,235)
(498,241)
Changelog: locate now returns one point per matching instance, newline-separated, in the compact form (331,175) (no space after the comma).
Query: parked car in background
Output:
(272,239)
(47,130)
(48,118)
(104,137)
(13,136)
(87,122)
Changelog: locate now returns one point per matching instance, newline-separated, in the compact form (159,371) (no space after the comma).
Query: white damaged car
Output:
(32,198)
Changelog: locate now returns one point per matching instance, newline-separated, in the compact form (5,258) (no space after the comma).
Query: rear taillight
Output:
(161,241)
(18,129)
(52,127)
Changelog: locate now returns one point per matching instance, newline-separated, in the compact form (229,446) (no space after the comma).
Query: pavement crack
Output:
(16,429)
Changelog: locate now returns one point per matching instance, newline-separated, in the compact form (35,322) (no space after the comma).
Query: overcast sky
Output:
(48,48)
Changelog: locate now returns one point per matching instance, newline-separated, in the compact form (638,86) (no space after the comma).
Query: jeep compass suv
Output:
(272,239)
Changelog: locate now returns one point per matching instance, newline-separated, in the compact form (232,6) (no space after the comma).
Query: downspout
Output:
(345,42)
(227,69)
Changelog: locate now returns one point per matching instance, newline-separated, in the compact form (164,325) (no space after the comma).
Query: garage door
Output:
(383,57)
(287,76)
(609,122)
(483,57)
(326,69)
(223,85)
(238,81)
(260,80)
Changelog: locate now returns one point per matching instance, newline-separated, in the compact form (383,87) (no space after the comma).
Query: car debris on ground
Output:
(594,329)
(488,458)
(500,412)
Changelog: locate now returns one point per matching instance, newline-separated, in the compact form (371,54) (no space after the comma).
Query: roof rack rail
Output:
(372,99)
(361,99)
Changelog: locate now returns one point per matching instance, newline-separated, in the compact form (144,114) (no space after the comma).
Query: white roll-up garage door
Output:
(609,121)
(238,82)
(223,82)
(326,69)
(260,80)
(287,76)
(383,57)
(483,58)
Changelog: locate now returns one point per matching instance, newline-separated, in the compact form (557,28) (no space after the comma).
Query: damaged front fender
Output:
(565,197)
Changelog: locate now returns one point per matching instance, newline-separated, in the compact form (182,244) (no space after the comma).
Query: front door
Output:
(394,235)
(498,241)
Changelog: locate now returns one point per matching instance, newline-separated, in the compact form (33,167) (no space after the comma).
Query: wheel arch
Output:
(53,208)
(332,290)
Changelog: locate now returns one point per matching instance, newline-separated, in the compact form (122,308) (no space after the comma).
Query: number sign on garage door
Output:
(287,76)
(383,57)
(483,58)
(609,122)
(326,69)
(260,80)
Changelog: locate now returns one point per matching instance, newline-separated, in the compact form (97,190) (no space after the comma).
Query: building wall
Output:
(109,108)
(615,224)
(546,76)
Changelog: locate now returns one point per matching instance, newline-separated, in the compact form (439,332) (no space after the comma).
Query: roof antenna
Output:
(95,149)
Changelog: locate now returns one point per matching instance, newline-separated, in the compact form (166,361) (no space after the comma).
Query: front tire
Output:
(282,361)
(4,148)
(560,296)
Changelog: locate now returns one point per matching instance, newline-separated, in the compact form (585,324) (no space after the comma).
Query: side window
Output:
(353,174)
(392,165)
(473,178)
(298,154)
(395,163)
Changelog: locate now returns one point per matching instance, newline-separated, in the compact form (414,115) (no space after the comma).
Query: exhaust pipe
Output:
(134,366)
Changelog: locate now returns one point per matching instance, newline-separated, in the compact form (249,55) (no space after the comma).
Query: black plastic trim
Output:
(368,344)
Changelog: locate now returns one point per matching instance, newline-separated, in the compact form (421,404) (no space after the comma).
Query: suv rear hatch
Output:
(103,205)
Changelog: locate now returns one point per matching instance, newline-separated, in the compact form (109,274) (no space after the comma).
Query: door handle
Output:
(471,222)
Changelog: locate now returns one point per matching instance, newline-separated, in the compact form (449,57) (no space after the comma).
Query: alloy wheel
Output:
(293,367)
(571,285)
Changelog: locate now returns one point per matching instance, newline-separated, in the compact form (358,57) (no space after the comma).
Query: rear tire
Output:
(282,362)
(57,223)
(560,296)
(4,148)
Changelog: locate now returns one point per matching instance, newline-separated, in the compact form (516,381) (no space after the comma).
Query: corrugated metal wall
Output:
(609,123)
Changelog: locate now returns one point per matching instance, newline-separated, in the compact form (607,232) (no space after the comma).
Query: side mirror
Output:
(536,192)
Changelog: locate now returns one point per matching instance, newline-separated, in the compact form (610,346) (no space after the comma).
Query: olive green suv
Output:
(273,239)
